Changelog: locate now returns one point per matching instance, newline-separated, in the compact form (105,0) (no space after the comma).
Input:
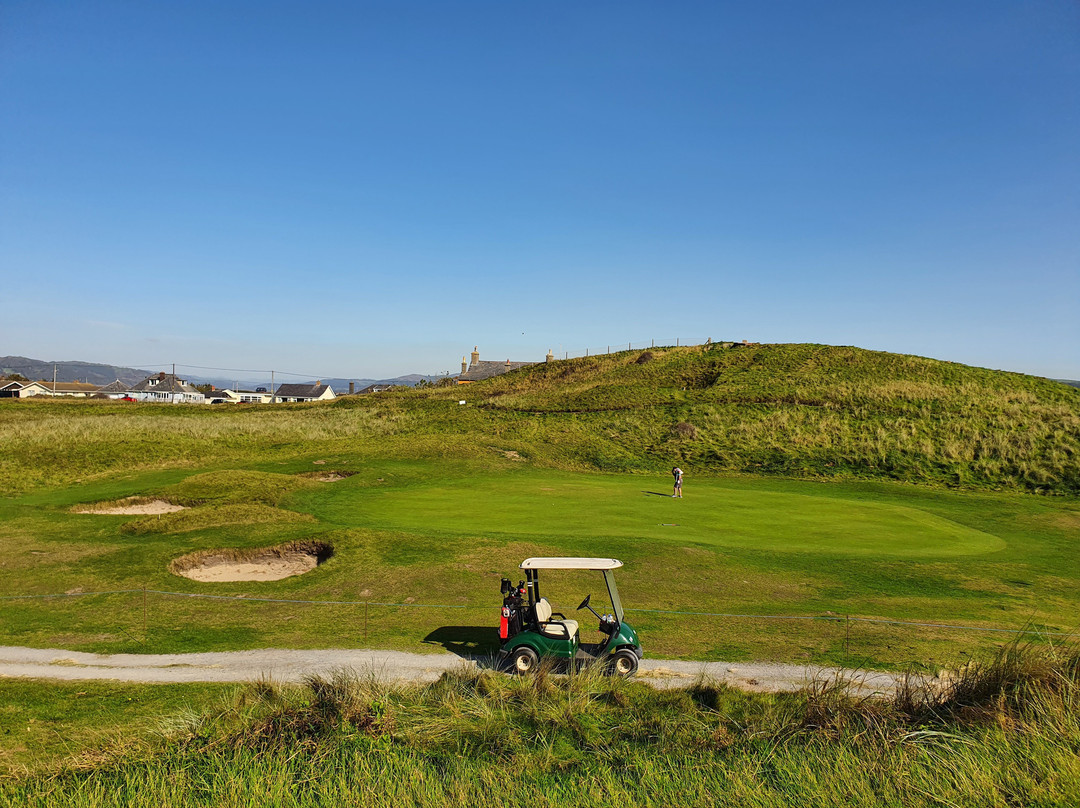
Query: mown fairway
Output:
(422,533)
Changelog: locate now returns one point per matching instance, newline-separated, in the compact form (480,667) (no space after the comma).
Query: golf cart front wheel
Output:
(623,663)
(523,660)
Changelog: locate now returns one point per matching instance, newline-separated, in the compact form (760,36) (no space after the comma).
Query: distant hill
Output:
(75,371)
(1070,382)
(69,371)
(340,385)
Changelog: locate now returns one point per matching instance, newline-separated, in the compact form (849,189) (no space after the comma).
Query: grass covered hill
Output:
(810,411)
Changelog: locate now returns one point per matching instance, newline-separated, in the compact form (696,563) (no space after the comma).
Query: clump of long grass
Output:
(1000,689)
(1001,732)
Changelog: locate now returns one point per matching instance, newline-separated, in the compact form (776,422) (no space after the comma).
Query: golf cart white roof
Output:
(571,564)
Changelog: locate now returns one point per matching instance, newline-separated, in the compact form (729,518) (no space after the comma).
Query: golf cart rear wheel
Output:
(523,660)
(622,663)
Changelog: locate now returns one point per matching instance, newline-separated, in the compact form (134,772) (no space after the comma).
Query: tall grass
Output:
(796,410)
(1004,732)
(822,411)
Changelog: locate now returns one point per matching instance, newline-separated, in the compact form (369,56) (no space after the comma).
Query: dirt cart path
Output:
(290,665)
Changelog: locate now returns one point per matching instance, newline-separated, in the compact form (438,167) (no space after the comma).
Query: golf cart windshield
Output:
(604,565)
(613,593)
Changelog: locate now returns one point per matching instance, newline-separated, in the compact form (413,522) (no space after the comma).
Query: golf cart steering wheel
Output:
(584,603)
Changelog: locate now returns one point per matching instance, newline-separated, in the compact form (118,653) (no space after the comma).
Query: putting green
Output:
(538,503)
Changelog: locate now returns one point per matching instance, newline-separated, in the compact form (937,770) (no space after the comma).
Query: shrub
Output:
(686,430)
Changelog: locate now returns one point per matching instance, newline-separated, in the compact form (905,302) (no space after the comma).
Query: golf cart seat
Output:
(560,629)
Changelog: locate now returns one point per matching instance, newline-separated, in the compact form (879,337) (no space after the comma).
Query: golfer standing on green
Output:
(677,474)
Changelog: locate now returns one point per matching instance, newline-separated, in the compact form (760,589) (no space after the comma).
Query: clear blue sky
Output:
(368,189)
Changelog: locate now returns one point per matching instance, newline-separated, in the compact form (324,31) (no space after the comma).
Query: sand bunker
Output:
(266,564)
(136,506)
(328,476)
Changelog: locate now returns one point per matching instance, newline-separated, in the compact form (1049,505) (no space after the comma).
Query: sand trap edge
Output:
(130,506)
(252,564)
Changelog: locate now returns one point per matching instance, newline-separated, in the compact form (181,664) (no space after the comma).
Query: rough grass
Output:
(211,516)
(236,486)
(794,410)
(1003,733)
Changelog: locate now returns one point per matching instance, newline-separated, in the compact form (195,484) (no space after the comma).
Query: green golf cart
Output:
(530,631)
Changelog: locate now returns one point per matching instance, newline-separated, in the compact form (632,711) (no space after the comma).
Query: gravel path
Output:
(290,665)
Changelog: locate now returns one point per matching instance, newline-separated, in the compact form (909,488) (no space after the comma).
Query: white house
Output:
(239,396)
(165,388)
(304,392)
(14,389)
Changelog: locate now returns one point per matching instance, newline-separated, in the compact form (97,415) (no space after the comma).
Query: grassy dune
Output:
(793,410)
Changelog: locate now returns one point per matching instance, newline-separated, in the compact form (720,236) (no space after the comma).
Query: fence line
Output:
(633,345)
(829,618)
(847,618)
(234,597)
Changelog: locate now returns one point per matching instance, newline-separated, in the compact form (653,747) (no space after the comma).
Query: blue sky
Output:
(368,189)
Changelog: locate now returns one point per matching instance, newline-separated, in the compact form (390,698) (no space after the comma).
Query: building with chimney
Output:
(476,370)
(300,393)
(166,388)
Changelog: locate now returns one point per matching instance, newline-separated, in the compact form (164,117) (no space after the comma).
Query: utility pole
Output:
(54,380)
(272,396)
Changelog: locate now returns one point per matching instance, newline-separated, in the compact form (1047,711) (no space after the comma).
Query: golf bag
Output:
(513,603)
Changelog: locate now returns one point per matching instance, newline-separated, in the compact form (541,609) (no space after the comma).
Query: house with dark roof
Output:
(116,389)
(303,392)
(14,389)
(10,388)
(476,370)
(165,388)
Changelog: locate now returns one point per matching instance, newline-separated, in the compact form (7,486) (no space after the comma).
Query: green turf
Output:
(421,533)
(593,508)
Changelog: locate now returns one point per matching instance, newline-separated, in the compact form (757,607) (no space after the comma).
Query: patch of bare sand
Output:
(133,506)
(266,564)
(270,569)
(328,476)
